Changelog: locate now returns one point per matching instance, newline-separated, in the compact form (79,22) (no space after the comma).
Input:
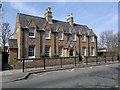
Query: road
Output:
(104,76)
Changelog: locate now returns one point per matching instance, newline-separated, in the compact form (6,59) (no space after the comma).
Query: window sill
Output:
(31,56)
(74,40)
(33,37)
(47,38)
(60,39)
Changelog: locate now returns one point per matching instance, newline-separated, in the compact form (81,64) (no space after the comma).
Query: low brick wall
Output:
(99,58)
(39,62)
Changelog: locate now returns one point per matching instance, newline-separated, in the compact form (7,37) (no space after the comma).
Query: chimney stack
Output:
(48,15)
(70,19)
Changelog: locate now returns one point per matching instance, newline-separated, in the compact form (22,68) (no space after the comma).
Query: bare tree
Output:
(108,40)
(5,34)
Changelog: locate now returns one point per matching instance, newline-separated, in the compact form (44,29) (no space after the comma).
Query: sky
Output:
(98,16)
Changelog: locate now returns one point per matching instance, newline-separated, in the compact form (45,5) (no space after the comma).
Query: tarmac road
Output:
(104,76)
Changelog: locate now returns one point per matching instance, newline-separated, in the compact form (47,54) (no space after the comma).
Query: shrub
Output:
(44,55)
(55,55)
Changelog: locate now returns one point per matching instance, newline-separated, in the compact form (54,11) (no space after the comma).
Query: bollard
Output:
(61,62)
(96,60)
(75,61)
(105,59)
(86,61)
(44,63)
(23,64)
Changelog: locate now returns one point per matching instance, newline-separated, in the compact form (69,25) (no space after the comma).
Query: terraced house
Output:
(35,36)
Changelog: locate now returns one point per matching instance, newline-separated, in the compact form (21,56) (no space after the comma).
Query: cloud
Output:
(24,8)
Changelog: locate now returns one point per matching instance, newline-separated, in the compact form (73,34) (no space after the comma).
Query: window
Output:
(71,52)
(31,51)
(31,32)
(60,35)
(74,37)
(47,34)
(92,51)
(60,50)
(83,38)
(47,50)
(92,38)
(84,51)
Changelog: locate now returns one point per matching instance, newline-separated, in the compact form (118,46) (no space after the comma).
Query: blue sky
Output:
(99,16)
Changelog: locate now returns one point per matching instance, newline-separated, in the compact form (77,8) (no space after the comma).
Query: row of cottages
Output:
(35,36)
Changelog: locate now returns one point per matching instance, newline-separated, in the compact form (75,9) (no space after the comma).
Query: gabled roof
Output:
(40,22)
(13,43)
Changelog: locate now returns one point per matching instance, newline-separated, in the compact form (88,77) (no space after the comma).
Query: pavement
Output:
(100,76)
(17,74)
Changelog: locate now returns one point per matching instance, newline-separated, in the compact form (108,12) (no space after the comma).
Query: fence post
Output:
(61,62)
(75,61)
(96,60)
(86,60)
(23,64)
(112,59)
(44,63)
(105,59)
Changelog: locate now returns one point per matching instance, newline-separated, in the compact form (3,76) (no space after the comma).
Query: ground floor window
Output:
(71,52)
(47,50)
(60,50)
(31,50)
(92,51)
(84,51)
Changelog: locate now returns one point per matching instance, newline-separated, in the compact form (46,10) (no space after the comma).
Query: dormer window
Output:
(32,33)
(83,38)
(60,35)
(47,34)
(92,38)
(74,37)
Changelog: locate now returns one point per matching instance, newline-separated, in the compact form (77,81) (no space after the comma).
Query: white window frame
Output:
(84,38)
(48,34)
(31,51)
(84,51)
(59,37)
(33,32)
(92,38)
(74,35)
(49,50)
(92,51)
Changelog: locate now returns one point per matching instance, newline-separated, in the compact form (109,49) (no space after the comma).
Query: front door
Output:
(71,52)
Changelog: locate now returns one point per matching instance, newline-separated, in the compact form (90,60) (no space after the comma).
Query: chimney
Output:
(48,15)
(70,19)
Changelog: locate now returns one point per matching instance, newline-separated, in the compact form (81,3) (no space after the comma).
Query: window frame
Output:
(32,36)
(84,38)
(61,35)
(48,34)
(74,37)
(92,51)
(32,51)
(49,53)
(92,38)
(84,51)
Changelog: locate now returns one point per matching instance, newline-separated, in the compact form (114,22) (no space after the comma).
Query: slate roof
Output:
(40,22)
(13,43)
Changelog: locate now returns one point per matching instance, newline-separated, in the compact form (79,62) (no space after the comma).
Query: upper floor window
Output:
(74,37)
(83,38)
(92,38)
(31,50)
(31,32)
(60,35)
(47,34)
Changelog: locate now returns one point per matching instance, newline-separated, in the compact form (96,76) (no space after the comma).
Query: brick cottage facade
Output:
(36,36)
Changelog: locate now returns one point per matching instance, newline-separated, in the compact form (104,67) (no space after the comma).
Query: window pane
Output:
(60,35)
(71,52)
(47,50)
(60,50)
(31,51)
(47,34)
(31,32)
